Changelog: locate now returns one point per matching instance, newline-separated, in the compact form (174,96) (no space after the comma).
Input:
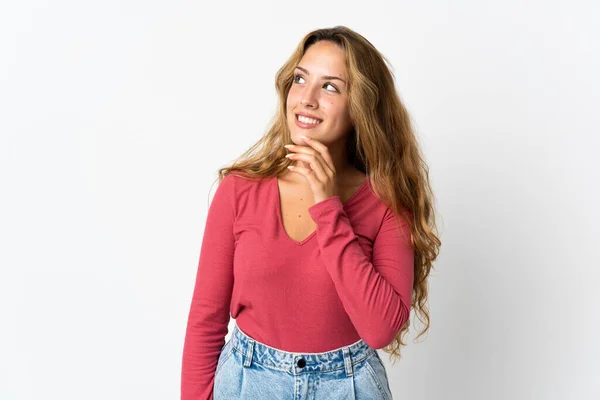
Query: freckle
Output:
(299,215)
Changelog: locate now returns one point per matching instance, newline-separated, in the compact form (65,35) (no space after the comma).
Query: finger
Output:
(299,149)
(315,162)
(308,173)
(322,150)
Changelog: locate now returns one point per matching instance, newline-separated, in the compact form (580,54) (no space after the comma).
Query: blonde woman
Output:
(318,241)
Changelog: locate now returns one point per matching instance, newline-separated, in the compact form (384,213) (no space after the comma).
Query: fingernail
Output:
(287,146)
(305,138)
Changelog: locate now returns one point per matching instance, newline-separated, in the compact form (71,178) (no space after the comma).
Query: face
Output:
(315,91)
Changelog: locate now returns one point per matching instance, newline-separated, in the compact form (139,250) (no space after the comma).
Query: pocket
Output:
(225,354)
(377,371)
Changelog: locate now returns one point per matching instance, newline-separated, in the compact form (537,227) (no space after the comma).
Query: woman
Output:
(318,241)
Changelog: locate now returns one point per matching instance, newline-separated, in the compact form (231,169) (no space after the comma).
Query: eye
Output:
(327,83)
(297,76)
(332,86)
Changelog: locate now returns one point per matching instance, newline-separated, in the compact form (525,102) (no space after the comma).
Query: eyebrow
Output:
(324,76)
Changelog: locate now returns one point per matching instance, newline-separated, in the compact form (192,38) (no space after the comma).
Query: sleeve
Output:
(376,295)
(209,311)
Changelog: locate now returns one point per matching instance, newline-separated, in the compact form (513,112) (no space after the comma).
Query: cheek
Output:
(338,115)
(293,94)
(289,106)
(334,111)
(292,101)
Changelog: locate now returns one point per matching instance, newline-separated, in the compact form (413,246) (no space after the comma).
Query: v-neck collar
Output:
(279,216)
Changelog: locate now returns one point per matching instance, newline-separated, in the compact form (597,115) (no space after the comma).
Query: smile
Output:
(306,120)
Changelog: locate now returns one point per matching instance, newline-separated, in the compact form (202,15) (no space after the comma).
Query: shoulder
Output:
(233,178)
(239,185)
(239,179)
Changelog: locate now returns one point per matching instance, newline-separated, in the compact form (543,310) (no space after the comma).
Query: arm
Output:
(376,296)
(209,311)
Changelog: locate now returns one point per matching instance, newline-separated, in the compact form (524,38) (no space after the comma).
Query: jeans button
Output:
(301,363)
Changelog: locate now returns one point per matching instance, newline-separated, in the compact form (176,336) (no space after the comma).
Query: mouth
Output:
(307,121)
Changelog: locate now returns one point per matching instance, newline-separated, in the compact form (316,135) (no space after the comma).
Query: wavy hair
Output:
(381,144)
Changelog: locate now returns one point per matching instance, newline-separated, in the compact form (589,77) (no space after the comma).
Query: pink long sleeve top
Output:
(350,279)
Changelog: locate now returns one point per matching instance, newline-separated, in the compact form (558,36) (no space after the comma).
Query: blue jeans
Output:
(251,370)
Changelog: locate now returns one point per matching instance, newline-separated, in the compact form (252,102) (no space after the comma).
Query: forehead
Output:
(324,58)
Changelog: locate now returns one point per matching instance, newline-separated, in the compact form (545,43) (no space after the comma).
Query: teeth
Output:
(306,120)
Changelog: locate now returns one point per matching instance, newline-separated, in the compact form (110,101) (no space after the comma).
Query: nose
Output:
(308,98)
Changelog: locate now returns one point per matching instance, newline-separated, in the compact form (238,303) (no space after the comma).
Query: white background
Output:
(116,115)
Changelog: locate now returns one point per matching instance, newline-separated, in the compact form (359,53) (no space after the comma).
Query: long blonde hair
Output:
(382,144)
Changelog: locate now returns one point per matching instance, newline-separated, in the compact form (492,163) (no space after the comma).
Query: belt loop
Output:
(249,353)
(347,361)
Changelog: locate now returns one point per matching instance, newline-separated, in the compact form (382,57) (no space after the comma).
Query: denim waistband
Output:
(342,358)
